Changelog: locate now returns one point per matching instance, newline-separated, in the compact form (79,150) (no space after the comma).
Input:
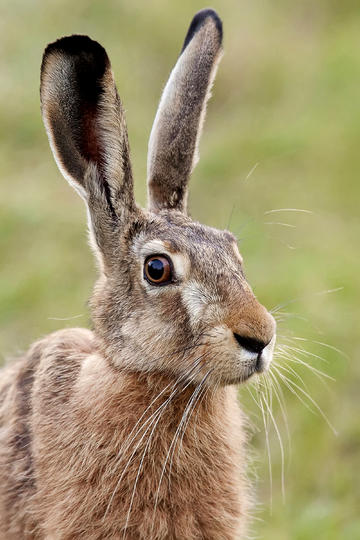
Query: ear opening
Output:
(175,135)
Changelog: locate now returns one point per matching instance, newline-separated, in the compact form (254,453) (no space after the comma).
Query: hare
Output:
(133,430)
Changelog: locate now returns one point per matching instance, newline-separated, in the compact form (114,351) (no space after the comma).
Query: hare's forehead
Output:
(191,249)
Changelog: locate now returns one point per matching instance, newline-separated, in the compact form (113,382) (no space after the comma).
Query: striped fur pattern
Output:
(133,430)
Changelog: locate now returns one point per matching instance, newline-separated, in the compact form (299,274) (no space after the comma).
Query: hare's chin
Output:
(248,370)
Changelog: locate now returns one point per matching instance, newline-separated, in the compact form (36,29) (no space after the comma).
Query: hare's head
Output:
(172,296)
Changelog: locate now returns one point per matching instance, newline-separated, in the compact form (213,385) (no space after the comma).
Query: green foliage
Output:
(286,107)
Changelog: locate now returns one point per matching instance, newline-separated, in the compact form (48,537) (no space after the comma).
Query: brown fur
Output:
(133,430)
(79,410)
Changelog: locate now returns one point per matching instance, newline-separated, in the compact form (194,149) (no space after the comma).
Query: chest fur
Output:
(161,470)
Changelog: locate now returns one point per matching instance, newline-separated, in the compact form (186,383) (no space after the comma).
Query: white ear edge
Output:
(93,244)
(73,183)
(164,114)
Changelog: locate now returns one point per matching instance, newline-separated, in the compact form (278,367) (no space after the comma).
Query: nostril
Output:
(251,344)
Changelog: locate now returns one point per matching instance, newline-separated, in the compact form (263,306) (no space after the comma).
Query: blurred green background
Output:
(283,131)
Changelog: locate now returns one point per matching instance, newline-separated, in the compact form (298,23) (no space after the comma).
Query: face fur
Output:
(204,321)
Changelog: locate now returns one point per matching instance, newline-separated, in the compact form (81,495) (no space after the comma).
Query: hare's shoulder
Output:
(59,354)
(62,347)
(67,341)
(59,357)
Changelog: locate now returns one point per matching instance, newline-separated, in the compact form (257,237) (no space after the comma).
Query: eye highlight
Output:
(158,270)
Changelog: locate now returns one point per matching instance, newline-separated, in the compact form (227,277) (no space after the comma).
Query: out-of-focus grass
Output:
(286,100)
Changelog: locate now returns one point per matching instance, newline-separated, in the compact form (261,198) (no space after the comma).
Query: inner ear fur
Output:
(85,123)
(177,127)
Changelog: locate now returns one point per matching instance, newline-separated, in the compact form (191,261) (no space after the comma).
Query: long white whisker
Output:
(202,392)
(135,449)
(202,396)
(331,347)
(251,171)
(285,380)
(281,400)
(281,447)
(317,372)
(171,385)
(328,291)
(304,352)
(280,223)
(268,396)
(152,418)
(192,397)
(300,210)
(140,467)
(267,442)
(314,403)
(282,316)
(66,318)
(291,371)
(289,246)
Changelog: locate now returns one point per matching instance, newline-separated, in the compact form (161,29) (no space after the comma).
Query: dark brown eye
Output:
(157,270)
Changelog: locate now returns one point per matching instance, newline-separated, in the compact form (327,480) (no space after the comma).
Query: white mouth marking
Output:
(267,354)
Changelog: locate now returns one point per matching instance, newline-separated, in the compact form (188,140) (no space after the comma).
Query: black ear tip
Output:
(199,19)
(77,45)
(84,56)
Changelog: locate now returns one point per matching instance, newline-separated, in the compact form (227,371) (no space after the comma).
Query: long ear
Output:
(85,123)
(177,127)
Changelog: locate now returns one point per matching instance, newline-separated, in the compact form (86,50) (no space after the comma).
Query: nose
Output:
(251,344)
(252,326)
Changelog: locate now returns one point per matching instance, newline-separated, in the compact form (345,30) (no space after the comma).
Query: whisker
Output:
(267,442)
(331,347)
(282,316)
(202,396)
(280,223)
(281,447)
(300,210)
(328,291)
(317,372)
(65,318)
(251,171)
(134,451)
(171,385)
(183,429)
(281,400)
(268,395)
(289,246)
(285,380)
(307,395)
(304,352)
(248,388)
(151,419)
(189,403)
(140,467)
(288,369)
